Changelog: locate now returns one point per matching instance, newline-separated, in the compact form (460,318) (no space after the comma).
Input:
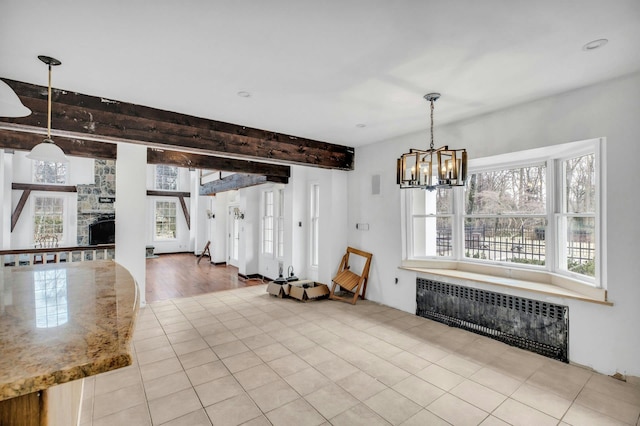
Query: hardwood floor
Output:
(179,275)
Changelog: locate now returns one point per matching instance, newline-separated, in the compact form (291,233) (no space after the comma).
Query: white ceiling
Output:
(317,68)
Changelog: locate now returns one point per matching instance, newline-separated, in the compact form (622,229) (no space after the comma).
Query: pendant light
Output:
(10,104)
(47,150)
(415,168)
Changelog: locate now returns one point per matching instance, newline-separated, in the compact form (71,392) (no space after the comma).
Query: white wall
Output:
(80,171)
(601,337)
(248,260)
(131,194)
(6,208)
(333,222)
(218,227)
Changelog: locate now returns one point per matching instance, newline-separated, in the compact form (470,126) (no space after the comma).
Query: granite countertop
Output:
(62,322)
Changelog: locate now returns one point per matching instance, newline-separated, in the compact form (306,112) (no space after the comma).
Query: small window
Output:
(166,178)
(431,222)
(48,219)
(577,219)
(165,217)
(315,224)
(267,223)
(48,172)
(280,250)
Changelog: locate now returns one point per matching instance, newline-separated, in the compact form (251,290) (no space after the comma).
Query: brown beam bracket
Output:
(18,211)
(187,217)
(27,188)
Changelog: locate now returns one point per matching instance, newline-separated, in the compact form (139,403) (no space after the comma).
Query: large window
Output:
(165,218)
(537,208)
(48,172)
(48,220)
(505,215)
(166,178)
(315,224)
(267,223)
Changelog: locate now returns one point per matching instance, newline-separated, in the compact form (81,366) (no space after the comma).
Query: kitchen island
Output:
(59,323)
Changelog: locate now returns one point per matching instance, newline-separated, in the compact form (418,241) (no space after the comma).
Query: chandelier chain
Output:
(431,146)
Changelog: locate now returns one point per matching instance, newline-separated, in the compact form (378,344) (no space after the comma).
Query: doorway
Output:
(233,232)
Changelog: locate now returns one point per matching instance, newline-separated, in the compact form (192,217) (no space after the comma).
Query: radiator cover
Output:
(529,324)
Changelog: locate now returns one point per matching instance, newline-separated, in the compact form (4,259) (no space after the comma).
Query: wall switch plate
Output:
(362,226)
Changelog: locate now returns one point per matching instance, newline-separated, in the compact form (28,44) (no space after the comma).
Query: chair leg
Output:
(333,290)
(356,294)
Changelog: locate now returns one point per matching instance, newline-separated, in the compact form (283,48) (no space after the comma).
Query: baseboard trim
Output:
(254,276)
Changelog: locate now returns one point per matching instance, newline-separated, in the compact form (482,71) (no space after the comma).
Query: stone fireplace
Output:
(96,203)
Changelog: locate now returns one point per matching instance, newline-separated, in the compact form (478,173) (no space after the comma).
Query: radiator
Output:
(529,324)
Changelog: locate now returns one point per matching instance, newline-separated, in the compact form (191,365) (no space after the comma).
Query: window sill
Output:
(541,282)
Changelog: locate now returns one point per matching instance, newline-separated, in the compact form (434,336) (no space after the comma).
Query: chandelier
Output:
(416,167)
(47,150)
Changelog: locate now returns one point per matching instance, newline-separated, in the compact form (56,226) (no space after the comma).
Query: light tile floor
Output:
(245,357)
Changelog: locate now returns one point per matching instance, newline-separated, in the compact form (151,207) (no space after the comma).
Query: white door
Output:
(233,232)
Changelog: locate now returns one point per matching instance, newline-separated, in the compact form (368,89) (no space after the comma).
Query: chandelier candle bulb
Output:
(451,167)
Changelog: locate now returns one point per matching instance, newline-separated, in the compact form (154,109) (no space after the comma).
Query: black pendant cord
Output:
(49,107)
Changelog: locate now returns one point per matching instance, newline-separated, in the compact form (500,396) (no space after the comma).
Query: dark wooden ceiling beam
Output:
(43,187)
(75,147)
(209,162)
(89,116)
(233,182)
(158,193)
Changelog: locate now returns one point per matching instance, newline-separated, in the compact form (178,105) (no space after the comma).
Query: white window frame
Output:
(65,215)
(553,156)
(519,163)
(268,222)
(280,225)
(65,175)
(314,228)
(155,210)
(157,184)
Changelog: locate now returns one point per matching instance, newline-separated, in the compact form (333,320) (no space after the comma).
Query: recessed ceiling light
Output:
(361,125)
(244,94)
(595,44)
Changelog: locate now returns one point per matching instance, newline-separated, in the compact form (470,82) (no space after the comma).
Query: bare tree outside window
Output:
(166,178)
(48,218)
(538,208)
(48,172)
(577,220)
(165,217)
(505,215)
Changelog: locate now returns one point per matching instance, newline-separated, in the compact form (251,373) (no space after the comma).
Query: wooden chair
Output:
(350,281)
(46,241)
(205,252)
